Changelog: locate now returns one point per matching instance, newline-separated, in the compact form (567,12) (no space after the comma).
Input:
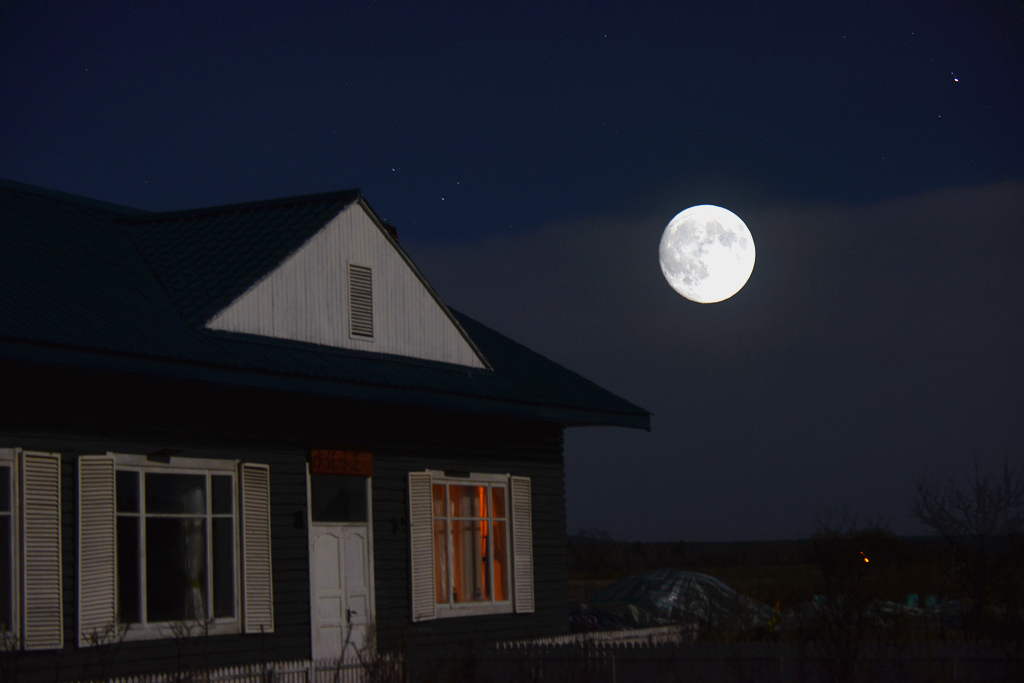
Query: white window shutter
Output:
(97,553)
(421,546)
(522,544)
(258,588)
(42,618)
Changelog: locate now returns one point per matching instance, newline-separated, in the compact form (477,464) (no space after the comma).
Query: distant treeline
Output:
(594,554)
(968,576)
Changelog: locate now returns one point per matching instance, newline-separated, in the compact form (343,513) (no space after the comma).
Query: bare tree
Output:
(854,560)
(979,520)
(594,553)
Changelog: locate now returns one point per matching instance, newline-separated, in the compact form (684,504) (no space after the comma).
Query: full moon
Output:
(706,253)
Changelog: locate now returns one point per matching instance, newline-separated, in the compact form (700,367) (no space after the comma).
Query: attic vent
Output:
(360,299)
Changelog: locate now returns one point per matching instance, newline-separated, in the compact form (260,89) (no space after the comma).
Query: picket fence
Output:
(655,635)
(638,661)
(655,658)
(385,667)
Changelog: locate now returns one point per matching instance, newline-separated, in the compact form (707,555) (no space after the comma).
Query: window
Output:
(338,498)
(165,545)
(471,544)
(176,545)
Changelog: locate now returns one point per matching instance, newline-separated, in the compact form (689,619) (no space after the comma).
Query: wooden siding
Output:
(277,431)
(307,297)
(290,639)
(533,451)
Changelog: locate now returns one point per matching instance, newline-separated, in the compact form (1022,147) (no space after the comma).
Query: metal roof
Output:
(205,258)
(91,285)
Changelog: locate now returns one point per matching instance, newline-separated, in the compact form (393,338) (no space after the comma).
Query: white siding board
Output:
(306,298)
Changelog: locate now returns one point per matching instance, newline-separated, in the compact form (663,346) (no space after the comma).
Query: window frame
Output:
(147,630)
(10,639)
(367,493)
(491,606)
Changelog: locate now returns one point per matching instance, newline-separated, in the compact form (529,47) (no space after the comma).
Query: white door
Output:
(341,596)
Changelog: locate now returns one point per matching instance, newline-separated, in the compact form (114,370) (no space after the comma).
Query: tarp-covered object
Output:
(672,596)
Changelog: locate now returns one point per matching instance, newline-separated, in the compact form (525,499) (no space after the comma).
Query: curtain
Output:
(192,502)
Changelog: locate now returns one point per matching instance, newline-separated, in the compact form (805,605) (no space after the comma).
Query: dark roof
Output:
(91,285)
(206,258)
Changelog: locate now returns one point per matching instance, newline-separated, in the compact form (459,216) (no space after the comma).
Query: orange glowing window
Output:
(470,543)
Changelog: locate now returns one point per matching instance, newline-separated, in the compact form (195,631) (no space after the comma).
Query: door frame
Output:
(371,626)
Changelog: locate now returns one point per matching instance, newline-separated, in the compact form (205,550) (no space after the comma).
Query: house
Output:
(256,433)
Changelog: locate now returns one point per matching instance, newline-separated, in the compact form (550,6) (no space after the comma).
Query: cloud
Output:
(887,275)
(870,344)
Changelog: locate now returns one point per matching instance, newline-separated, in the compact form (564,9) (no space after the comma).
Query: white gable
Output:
(310,298)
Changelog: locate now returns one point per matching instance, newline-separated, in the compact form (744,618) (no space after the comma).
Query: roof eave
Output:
(56,357)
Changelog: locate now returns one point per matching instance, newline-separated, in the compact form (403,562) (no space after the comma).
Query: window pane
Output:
(5,489)
(127,491)
(499,551)
(223,567)
(338,498)
(468,501)
(127,568)
(6,585)
(439,500)
(175,493)
(175,567)
(440,561)
(498,493)
(221,494)
(469,560)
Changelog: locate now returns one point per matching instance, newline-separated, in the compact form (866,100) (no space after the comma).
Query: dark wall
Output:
(290,639)
(532,450)
(91,413)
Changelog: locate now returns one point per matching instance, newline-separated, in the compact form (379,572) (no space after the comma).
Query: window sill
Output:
(181,629)
(473,609)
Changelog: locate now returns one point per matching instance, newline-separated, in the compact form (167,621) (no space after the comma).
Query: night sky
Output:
(530,158)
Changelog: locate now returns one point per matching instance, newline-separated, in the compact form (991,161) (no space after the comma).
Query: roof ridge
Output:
(204,258)
(282,202)
(68,198)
